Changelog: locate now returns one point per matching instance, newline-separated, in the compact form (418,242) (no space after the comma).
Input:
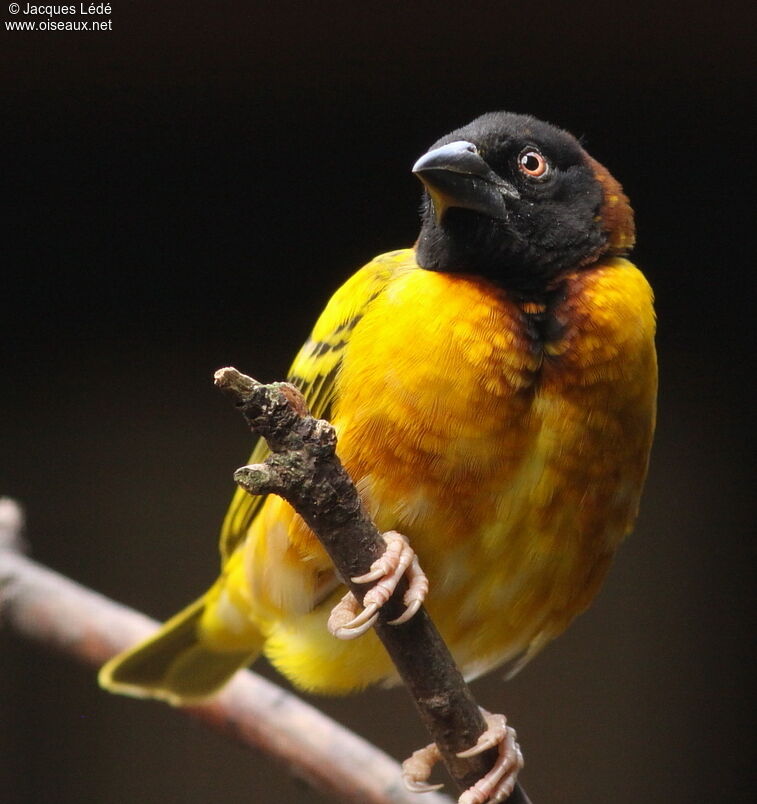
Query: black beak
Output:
(456,176)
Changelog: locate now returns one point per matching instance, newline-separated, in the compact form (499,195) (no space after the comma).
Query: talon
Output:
(497,725)
(366,617)
(493,788)
(417,768)
(346,620)
(371,575)
(499,782)
(421,787)
(409,612)
(416,592)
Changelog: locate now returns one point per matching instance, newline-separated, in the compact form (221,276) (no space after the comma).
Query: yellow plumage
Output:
(513,463)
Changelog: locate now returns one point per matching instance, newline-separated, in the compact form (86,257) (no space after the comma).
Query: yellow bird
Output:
(493,389)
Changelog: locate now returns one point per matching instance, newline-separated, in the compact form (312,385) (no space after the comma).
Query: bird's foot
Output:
(347,621)
(493,788)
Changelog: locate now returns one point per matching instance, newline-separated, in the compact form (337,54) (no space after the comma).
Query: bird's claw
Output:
(499,782)
(495,786)
(422,787)
(347,621)
(417,768)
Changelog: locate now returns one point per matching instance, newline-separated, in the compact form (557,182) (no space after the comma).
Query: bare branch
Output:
(52,610)
(305,470)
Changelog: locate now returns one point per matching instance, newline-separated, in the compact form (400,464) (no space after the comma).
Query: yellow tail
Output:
(176,664)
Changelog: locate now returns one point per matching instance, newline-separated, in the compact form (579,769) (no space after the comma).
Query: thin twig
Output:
(304,470)
(50,609)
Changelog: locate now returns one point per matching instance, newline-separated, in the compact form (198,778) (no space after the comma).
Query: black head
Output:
(518,201)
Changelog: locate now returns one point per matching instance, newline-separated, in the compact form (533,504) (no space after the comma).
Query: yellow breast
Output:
(514,464)
(512,459)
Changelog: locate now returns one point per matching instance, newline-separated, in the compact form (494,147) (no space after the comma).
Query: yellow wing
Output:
(315,369)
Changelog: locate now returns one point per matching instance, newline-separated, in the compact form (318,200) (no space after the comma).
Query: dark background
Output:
(186,191)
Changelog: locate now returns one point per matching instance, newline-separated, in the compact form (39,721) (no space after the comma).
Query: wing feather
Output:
(315,370)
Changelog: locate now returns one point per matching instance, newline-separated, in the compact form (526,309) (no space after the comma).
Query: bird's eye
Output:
(533,164)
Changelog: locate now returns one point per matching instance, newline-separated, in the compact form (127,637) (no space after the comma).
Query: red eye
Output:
(533,164)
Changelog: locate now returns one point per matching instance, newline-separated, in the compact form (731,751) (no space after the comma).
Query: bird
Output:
(493,389)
